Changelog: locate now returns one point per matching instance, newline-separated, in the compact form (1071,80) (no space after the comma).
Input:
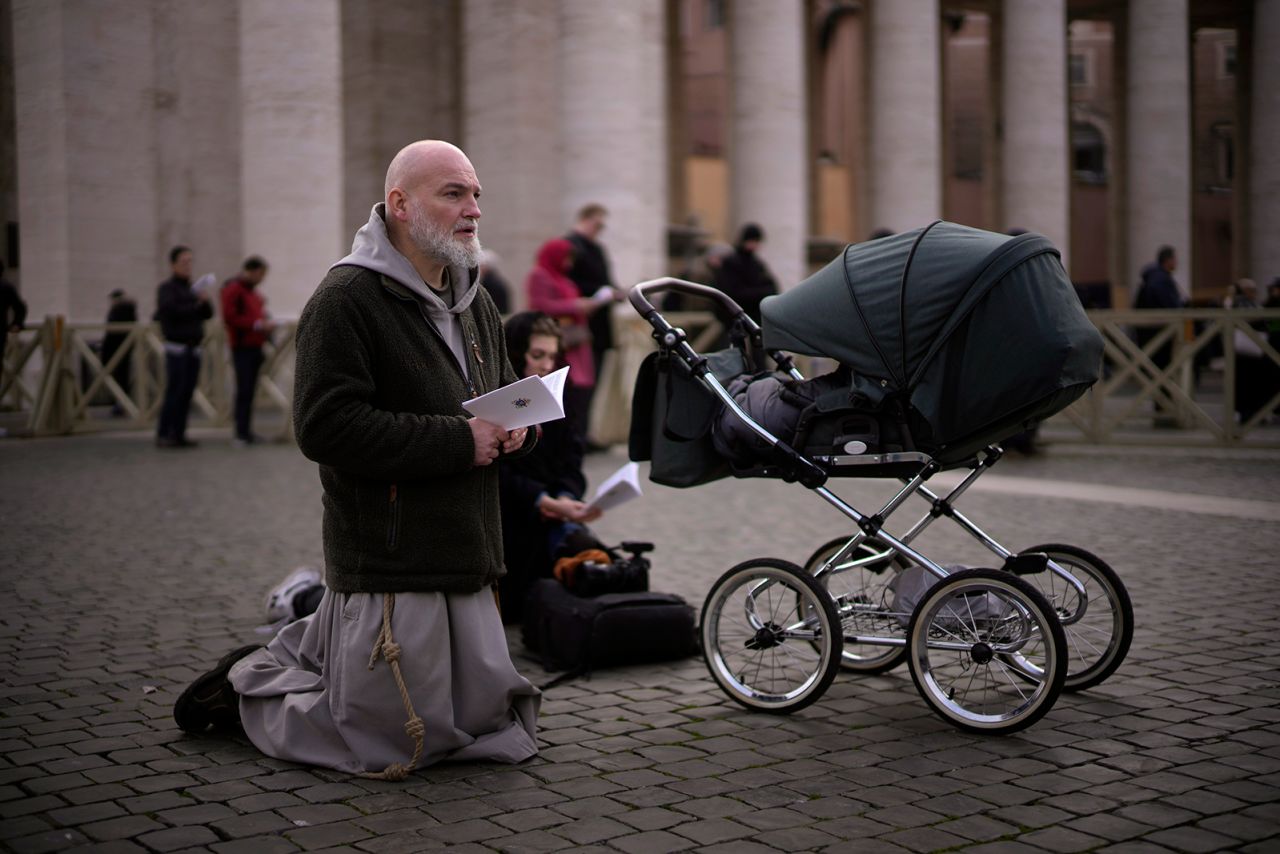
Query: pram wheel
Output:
(960,641)
(859,586)
(770,636)
(1098,641)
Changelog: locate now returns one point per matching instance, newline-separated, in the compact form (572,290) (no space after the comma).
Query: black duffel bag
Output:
(579,634)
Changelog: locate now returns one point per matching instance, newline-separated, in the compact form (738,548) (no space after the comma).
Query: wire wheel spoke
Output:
(859,580)
(768,635)
(1098,640)
(975,681)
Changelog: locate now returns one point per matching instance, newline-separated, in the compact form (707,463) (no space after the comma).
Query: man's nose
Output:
(473,210)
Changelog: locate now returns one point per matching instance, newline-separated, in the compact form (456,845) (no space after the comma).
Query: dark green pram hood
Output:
(982,334)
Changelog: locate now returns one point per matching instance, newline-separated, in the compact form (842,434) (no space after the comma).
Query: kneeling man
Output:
(405,662)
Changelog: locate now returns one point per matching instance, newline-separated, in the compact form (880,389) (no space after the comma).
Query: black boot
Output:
(210,701)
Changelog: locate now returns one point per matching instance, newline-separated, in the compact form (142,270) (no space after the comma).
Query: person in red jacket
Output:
(248,327)
(551,291)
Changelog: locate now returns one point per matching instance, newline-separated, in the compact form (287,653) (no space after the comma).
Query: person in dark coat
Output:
(13,313)
(743,276)
(541,493)
(1159,290)
(590,273)
(181,312)
(122,310)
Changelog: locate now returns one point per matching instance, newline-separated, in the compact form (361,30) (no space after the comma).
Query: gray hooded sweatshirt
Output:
(372,250)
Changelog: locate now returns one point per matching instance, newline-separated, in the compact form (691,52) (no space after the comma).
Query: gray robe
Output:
(310,696)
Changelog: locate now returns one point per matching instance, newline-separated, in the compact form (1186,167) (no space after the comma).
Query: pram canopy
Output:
(981,334)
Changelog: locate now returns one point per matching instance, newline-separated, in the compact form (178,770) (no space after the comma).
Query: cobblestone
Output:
(1178,751)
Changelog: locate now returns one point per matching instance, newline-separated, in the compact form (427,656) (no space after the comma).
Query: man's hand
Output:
(515,440)
(488,439)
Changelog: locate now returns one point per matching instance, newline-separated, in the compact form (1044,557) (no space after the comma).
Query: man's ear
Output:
(398,204)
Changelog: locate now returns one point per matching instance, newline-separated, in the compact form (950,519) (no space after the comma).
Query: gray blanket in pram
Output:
(775,402)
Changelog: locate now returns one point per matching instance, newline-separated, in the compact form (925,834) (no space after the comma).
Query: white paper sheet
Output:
(524,403)
(619,488)
(205,284)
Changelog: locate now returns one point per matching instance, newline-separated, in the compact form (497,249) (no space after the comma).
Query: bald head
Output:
(419,160)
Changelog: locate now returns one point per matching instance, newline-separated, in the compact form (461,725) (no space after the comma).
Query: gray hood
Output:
(372,250)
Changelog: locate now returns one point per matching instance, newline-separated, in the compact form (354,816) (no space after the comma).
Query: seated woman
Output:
(543,515)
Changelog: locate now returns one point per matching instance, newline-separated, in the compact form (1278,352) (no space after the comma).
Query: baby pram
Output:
(952,339)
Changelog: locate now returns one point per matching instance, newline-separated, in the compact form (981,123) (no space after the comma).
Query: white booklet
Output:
(620,487)
(524,403)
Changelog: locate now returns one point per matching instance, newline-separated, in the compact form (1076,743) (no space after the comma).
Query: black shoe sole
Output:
(210,700)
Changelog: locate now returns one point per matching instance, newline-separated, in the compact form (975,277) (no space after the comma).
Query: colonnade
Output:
(264,125)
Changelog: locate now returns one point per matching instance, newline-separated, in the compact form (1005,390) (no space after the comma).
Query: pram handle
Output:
(640,300)
(673,339)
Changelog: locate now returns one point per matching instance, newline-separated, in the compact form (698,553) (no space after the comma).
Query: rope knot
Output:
(415,728)
(395,772)
(391,651)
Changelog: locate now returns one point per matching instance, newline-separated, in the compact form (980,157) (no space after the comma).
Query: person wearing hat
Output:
(122,310)
(743,276)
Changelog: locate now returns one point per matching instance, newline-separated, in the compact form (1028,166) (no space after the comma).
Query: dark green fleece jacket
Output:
(377,403)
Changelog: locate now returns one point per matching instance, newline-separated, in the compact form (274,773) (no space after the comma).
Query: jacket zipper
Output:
(393,528)
(466,375)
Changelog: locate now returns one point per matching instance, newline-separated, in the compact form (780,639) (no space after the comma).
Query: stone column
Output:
(768,131)
(197,135)
(1264,184)
(511,126)
(905,114)
(394,91)
(88,200)
(1158,99)
(291,143)
(1036,180)
(612,103)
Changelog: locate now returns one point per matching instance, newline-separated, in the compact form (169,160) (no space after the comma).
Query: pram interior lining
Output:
(817,418)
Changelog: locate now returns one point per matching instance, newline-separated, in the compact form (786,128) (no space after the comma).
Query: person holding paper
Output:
(542,509)
(405,662)
(181,311)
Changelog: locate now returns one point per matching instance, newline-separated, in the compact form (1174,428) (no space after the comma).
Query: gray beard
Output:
(440,245)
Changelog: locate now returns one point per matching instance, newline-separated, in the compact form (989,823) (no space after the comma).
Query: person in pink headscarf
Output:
(551,291)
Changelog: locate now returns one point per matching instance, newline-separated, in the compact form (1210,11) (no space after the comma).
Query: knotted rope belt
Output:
(386,646)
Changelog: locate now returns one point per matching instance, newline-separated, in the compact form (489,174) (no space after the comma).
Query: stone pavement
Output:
(127,571)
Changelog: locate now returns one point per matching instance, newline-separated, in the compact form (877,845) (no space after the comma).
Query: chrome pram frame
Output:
(846,613)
